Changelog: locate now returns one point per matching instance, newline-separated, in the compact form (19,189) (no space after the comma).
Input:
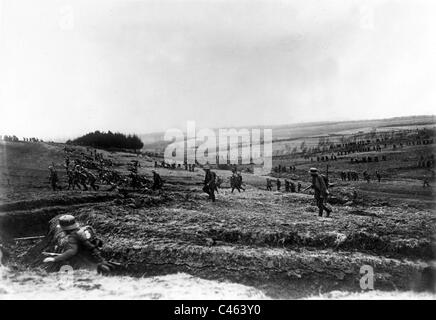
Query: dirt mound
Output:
(63,199)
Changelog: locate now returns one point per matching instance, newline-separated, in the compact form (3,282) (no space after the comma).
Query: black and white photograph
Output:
(217,150)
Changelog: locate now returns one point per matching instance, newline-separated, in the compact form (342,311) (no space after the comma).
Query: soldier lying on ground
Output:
(81,247)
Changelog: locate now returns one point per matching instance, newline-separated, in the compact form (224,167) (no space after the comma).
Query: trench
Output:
(278,271)
(30,218)
(152,261)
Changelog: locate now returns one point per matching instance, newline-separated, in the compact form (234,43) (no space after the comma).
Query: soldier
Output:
(82,245)
(279,184)
(426,183)
(157,181)
(321,191)
(67,162)
(218,183)
(343,176)
(287,186)
(134,166)
(91,179)
(234,182)
(80,177)
(209,182)
(72,179)
(378,175)
(292,185)
(268,184)
(239,181)
(366,176)
(53,177)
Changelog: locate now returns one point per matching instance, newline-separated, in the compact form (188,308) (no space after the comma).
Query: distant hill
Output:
(155,141)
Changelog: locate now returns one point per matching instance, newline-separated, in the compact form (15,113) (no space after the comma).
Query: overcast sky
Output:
(68,67)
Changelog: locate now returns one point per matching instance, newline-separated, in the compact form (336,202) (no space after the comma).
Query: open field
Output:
(273,241)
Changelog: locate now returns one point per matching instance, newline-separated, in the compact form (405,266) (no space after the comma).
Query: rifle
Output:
(50,254)
(29,238)
(307,188)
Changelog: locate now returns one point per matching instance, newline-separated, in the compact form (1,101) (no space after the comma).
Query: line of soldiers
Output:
(290,186)
(319,183)
(367,176)
(80,177)
(349,175)
(354,176)
(284,169)
(188,166)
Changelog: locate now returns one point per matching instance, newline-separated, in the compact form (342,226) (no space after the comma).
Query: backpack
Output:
(326,181)
(87,233)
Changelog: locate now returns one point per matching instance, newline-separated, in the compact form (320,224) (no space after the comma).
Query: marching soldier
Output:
(218,183)
(67,162)
(292,186)
(366,176)
(72,182)
(378,175)
(80,177)
(426,183)
(234,182)
(209,183)
(268,184)
(157,181)
(53,177)
(287,186)
(321,191)
(91,179)
(239,181)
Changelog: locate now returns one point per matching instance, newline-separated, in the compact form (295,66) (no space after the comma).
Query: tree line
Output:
(108,140)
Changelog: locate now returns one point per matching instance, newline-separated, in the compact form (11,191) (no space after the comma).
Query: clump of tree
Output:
(108,140)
